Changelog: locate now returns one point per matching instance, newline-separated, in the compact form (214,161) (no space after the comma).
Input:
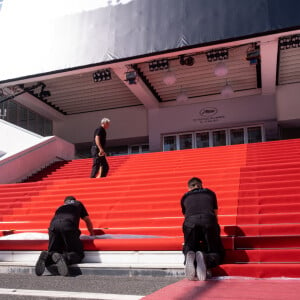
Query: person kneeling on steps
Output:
(203,247)
(65,247)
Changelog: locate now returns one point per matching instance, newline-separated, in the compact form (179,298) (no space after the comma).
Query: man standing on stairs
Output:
(65,247)
(203,247)
(100,165)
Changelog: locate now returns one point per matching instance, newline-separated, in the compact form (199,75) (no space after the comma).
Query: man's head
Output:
(194,183)
(105,122)
(70,199)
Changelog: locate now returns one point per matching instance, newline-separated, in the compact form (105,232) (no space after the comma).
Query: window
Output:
(219,138)
(138,149)
(135,149)
(125,150)
(213,138)
(202,139)
(22,116)
(170,143)
(237,136)
(254,134)
(145,148)
(185,141)
(1,2)
(26,118)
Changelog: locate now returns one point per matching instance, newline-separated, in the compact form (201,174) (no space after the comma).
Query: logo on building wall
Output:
(209,115)
(208,111)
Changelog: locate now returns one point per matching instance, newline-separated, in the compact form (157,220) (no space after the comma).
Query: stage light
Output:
(102,75)
(217,54)
(289,42)
(186,60)
(131,77)
(45,94)
(156,65)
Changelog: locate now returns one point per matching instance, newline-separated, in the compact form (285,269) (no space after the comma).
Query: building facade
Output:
(169,74)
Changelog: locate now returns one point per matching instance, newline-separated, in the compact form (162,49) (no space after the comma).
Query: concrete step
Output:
(127,263)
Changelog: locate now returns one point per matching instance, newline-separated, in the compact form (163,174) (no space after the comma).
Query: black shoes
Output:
(41,263)
(61,264)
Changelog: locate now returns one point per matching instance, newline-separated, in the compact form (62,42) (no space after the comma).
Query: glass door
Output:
(219,138)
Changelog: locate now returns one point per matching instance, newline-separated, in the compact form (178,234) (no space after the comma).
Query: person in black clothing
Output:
(100,166)
(65,247)
(203,247)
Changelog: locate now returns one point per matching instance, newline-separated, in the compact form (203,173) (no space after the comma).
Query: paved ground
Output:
(121,285)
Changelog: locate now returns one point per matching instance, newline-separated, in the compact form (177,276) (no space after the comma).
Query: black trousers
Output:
(98,161)
(66,242)
(202,233)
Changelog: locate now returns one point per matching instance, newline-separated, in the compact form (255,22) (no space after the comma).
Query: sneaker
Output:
(201,267)
(190,271)
(41,263)
(61,264)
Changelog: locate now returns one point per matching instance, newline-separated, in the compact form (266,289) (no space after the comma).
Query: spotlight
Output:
(43,93)
(217,54)
(156,65)
(102,75)
(131,77)
(186,60)
(289,42)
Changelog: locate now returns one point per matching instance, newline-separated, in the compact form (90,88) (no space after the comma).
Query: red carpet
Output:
(258,189)
(239,289)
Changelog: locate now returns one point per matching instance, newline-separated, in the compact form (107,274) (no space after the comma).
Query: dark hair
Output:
(194,181)
(69,198)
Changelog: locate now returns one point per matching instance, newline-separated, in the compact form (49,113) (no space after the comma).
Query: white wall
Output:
(27,152)
(18,166)
(125,123)
(288,102)
(14,139)
(221,114)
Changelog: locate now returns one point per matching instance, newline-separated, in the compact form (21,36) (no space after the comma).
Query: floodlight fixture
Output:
(217,54)
(186,60)
(131,77)
(102,75)
(157,65)
(288,42)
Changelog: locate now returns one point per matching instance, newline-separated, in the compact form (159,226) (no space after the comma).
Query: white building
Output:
(170,74)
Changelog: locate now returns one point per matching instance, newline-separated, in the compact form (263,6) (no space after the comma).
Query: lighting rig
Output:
(102,75)
(217,54)
(289,42)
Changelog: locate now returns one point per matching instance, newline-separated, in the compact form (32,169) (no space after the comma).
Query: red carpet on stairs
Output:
(239,289)
(257,185)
